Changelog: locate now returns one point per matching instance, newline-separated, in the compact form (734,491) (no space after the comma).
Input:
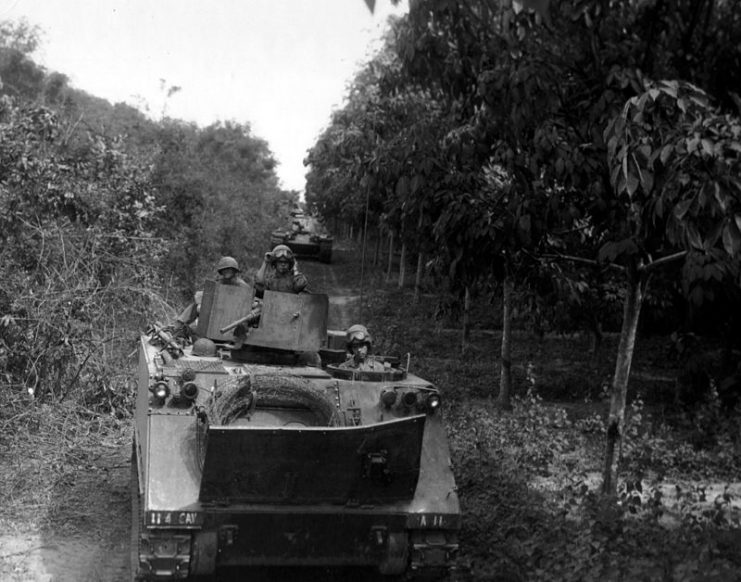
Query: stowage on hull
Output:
(238,461)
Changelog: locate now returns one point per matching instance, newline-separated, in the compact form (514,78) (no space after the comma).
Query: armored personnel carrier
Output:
(250,453)
(306,237)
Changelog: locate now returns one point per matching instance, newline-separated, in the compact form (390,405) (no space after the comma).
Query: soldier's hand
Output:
(268,256)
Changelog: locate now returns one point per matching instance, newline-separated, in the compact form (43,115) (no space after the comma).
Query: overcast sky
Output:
(280,65)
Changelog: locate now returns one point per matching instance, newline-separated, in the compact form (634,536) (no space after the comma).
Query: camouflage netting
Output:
(237,397)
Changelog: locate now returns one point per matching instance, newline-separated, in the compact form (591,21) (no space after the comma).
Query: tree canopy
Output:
(105,213)
(583,131)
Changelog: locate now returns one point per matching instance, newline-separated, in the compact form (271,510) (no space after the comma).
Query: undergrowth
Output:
(529,479)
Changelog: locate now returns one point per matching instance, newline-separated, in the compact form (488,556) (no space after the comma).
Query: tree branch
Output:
(663,261)
(583,261)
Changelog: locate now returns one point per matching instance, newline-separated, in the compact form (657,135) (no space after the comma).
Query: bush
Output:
(78,263)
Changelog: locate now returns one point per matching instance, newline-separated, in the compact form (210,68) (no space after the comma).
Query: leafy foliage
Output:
(219,195)
(100,207)
(528,479)
(69,226)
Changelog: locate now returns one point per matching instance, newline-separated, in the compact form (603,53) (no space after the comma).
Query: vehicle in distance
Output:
(306,237)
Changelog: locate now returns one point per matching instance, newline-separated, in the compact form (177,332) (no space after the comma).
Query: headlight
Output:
(388,398)
(432,402)
(409,399)
(189,391)
(161,390)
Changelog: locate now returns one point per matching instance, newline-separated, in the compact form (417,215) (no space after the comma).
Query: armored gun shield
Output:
(291,322)
(221,305)
(288,321)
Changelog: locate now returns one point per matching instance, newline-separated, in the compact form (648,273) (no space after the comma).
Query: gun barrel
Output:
(234,324)
(246,319)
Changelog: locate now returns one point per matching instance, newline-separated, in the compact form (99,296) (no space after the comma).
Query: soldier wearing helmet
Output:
(359,344)
(279,272)
(228,272)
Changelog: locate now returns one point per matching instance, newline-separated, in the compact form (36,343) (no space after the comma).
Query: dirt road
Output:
(82,534)
(336,281)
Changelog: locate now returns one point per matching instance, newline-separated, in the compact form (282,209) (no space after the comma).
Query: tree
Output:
(675,167)
(548,93)
(220,194)
(20,36)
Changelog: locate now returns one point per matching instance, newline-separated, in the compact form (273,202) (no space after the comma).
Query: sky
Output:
(280,65)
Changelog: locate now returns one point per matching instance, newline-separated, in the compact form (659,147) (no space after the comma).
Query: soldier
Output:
(279,272)
(359,344)
(185,322)
(228,272)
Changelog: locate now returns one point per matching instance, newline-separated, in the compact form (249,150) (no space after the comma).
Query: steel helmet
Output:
(282,252)
(358,334)
(204,348)
(227,263)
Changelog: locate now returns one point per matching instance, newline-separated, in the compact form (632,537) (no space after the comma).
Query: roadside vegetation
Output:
(108,219)
(530,477)
(577,160)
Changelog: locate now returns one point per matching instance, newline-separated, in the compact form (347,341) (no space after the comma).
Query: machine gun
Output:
(159,336)
(252,317)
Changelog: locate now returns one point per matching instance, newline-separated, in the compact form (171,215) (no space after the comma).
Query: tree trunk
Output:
(377,252)
(616,419)
(402,264)
(391,257)
(596,335)
(466,335)
(505,381)
(418,278)
(420,261)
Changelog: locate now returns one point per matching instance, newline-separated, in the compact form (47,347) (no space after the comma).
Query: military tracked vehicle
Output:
(306,237)
(264,451)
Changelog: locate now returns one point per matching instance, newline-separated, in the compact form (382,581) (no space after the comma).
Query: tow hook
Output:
(227,535)
(375,467)
(379,536)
